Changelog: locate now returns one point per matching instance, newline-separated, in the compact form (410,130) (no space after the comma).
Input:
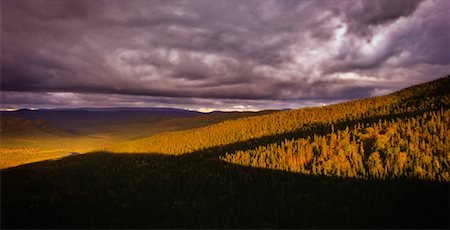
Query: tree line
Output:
(416,147)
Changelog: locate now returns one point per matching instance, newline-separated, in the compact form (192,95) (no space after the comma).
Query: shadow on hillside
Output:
(308,130)
(198,190)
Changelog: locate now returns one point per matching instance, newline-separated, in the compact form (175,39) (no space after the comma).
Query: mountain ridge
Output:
(291,120)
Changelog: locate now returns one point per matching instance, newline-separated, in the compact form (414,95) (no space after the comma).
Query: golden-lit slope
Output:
(25,141)
(433,96)
(415,143)
(417,146)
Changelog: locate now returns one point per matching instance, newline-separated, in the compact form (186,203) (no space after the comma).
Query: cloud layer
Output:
(217,54)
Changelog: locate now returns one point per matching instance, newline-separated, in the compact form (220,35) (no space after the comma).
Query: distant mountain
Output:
(125,122)
(94,114)
(20,127)
(80,118)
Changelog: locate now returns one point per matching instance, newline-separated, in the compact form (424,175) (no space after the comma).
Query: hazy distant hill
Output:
(20,127)
(73,119)
(125,123)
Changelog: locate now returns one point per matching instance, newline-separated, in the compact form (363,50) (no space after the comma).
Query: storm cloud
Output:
(217,54)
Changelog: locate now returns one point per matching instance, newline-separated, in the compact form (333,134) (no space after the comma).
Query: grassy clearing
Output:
(18,151)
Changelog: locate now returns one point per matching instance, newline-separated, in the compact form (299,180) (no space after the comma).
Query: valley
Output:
(29,136)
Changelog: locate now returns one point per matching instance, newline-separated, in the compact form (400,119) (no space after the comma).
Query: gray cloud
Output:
(196,52)
(361,15)
(86,100)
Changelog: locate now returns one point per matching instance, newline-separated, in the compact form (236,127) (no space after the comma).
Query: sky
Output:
(217,55)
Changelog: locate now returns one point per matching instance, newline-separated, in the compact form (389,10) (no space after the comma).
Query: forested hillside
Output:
(401,147)
(402,134)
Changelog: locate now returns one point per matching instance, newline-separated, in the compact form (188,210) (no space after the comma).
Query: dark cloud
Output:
(361,15)
(221,52)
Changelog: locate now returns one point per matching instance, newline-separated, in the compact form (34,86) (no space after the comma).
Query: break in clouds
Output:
(229,55)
